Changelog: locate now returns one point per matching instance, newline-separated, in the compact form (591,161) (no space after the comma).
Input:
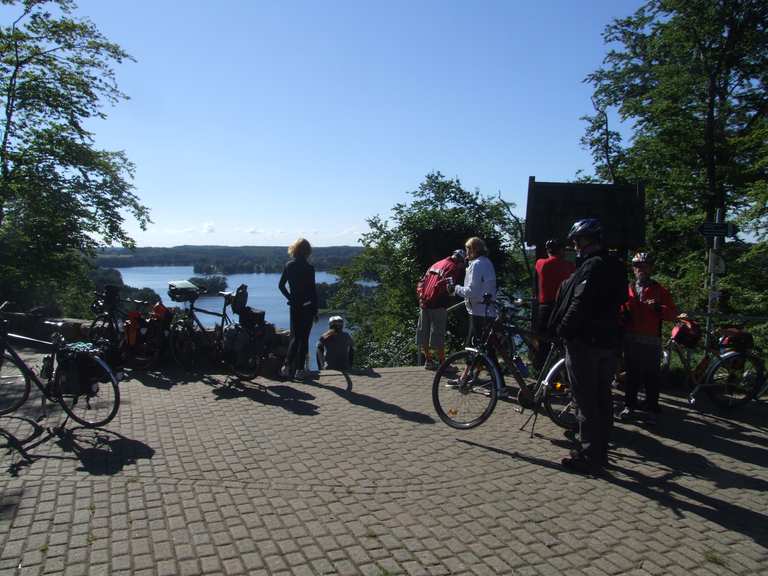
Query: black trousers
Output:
(301,325)
(542,319)
(591,371)
(642,362)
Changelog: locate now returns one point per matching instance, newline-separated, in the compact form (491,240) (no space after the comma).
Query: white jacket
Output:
(480,278)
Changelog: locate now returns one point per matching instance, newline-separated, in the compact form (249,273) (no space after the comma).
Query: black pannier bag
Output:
(240,299)
(241,344)
(183,291)
(78,369)
(251,318)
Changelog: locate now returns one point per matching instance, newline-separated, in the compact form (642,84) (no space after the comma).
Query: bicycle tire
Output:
(183,340)
(734,379)
(558,399)
(15,385)
(99,405)
(459,384)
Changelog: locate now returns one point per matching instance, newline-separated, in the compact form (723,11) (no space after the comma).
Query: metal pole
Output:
(712,273)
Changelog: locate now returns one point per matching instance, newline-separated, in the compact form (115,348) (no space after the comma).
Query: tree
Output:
(688,80)
(60,196)
(397,251)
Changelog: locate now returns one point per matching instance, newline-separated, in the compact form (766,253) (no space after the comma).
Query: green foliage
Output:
(689,79)
(59,195)
(397,252)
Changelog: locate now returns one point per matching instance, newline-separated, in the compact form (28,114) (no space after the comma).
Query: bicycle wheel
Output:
(14,385)
(734,380)
(184,343)
(558,399)
(465,390)
(88,392)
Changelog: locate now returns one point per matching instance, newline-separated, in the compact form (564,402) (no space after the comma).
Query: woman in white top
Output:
(480,279)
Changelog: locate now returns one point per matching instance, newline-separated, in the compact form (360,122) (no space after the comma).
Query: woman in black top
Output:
(302,298)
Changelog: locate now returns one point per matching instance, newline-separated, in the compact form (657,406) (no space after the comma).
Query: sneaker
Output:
(300,375)
(504,392)
(626,414)
(285,372)
(430,365)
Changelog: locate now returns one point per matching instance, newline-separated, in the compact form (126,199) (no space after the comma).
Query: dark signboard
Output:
(554,206)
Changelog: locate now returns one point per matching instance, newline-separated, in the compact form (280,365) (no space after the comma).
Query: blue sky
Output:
(256,122)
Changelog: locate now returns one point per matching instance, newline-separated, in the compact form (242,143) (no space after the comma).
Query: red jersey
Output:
(551,272)
(644,318)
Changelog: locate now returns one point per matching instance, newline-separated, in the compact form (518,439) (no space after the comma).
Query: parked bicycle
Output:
(241,346)
(467,386)
(73,375)
(136,339)
(729,371)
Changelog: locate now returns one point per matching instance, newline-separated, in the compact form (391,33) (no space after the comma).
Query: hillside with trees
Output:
(223,259)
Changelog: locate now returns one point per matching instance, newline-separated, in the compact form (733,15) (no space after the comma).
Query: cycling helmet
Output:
(642,258)
(459,255)
(553,245)
(586,227)
(334,321)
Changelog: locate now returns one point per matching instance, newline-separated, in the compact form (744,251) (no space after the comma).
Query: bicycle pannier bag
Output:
(686,332)
(736,339)
(240,299)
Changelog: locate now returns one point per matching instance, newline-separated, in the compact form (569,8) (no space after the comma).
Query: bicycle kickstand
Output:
(534,415)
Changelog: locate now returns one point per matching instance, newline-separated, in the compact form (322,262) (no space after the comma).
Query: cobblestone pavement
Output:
(356,475)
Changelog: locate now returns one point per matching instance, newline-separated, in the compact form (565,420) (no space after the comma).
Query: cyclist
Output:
(299,274)
(550,273)
(648,305)
(434,298)
(586,316)
(334,348)
(479,280)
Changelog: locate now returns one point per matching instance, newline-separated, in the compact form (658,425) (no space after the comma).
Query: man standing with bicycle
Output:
(586,316)
(649,304)
(551,272)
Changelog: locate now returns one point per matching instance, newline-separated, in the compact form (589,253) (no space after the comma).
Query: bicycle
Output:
(74,375)
(240,346)
(135,339)
(729,372)
(468,384)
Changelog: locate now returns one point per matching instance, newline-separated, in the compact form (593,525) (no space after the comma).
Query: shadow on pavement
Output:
(371,402)
(279,395)
(102,452)
(665,490)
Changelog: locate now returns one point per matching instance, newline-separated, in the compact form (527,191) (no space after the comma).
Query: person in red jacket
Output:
(648,305)
(550,273)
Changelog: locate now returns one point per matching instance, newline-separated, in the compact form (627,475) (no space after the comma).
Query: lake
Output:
(263,294)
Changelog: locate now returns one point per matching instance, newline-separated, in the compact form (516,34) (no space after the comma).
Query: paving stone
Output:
(320,478)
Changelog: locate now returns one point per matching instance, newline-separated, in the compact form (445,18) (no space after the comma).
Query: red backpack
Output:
(430,289)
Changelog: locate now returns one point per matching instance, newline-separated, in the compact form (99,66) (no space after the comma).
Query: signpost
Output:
(717,230)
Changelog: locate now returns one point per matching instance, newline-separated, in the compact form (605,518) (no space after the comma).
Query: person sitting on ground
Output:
(335,349)
(432,291)
(649,304)
(550,273)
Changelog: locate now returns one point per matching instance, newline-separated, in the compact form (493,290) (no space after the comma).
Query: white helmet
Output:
(335,320)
